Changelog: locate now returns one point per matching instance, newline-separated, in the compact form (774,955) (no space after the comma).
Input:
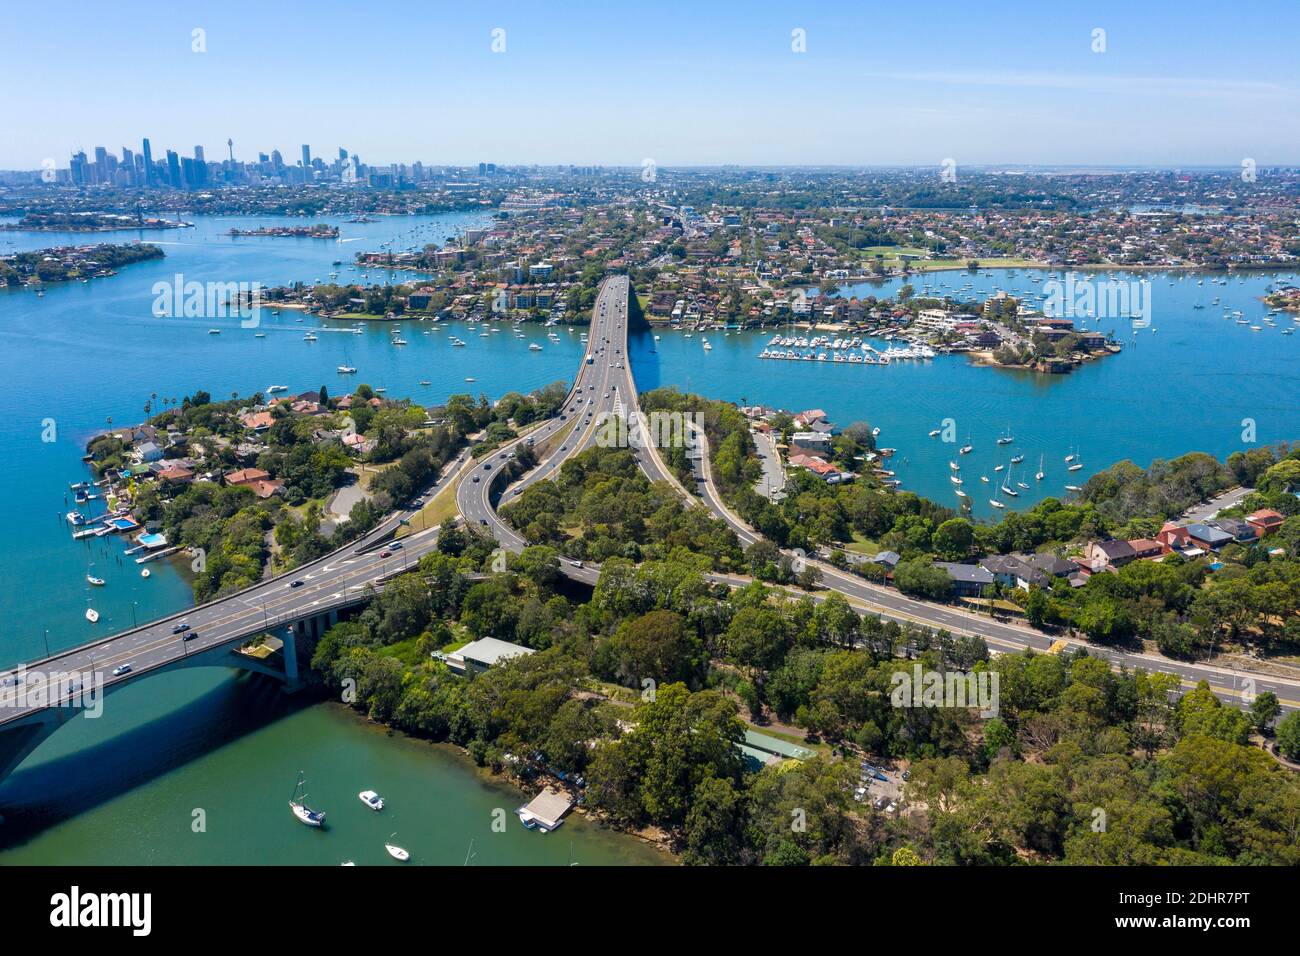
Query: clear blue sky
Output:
(681,82)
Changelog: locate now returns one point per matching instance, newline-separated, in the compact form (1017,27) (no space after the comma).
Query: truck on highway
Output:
(591,359)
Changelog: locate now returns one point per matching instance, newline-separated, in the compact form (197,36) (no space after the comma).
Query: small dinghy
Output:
(396,852)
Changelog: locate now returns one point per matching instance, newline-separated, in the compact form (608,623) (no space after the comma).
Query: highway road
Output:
(603,387)
(607,384)
(1001,636)
(332,581)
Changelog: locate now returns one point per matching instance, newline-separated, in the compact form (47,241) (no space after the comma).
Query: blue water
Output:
(87,352)
(1189,385)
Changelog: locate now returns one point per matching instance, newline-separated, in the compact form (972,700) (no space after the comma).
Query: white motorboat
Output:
(144,573)
(272,389)
(347,369)
(396,852)
(91,579)
(371,799)
(92,615)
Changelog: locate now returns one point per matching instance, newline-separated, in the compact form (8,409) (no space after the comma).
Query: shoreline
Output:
(491,778)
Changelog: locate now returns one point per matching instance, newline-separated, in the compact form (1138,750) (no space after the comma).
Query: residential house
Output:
(1241,531)
(1100,555)
(258,421)
(1146,548)
(968,580)
(245,476)
(1207,536)
(1013,571)
(1265,521)
(478,656)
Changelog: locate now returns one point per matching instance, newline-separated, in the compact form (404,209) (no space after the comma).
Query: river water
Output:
(124,788)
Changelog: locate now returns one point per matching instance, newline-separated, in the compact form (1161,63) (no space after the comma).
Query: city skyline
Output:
(685,87)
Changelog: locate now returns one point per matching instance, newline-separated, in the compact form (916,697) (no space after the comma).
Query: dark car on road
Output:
(297,584)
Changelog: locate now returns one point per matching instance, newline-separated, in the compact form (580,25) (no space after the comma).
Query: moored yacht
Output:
(298,804)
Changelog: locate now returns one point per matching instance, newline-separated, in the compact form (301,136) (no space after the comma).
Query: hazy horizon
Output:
(687,85)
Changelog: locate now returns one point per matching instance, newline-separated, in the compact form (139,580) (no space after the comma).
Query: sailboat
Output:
(298,804)
(1039,475)
(966,448)
(91,614)
(1077,464)
(995,503)
(1006,486)
(91,579)
(1008,438)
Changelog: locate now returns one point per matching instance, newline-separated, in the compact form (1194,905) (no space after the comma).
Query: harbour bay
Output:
(87,352)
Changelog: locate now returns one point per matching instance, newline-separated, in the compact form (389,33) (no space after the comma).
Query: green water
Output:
(134,789)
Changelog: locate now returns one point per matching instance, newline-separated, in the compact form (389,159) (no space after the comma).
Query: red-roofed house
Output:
(246,476)
(1173,538)
(1146,548)
(258,421)
(266,487)
(1264,521)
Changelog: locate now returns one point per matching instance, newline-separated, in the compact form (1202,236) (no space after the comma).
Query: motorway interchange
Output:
(603,387)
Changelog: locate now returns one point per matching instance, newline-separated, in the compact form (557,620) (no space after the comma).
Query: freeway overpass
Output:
(606,388)
(39,697)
